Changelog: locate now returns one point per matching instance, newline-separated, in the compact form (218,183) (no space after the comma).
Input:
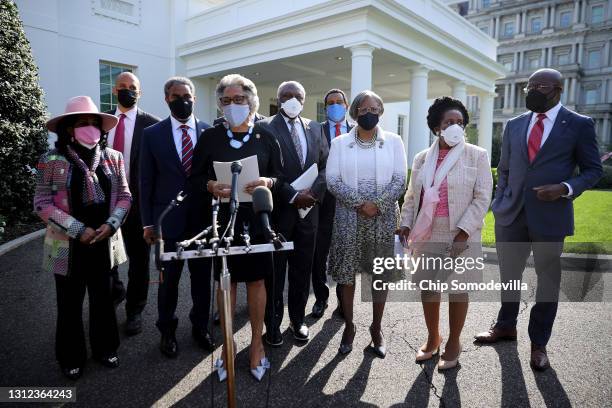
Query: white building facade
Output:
(409,52)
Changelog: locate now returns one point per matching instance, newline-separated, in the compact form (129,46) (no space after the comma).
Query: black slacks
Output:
(167,294)
(514,244)
(327,210)
(90,271)
(296,264)
(138,252)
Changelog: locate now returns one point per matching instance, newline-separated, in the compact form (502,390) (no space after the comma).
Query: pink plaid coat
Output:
(52,204)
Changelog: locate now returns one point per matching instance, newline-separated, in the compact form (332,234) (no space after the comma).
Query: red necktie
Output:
(119,141)
(338,132)
(535,137)
(187,150)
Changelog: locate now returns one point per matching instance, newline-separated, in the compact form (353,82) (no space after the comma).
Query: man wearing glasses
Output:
(533,203)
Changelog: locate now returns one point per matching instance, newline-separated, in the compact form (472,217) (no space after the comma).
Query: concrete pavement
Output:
(312,374)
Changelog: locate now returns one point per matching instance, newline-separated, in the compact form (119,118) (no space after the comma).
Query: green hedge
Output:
(23,137)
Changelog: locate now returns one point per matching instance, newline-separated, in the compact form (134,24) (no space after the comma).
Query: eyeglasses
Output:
(237,99)
(537,87)
(375,110)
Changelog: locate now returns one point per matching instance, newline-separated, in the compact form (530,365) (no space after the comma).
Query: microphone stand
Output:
(160,240)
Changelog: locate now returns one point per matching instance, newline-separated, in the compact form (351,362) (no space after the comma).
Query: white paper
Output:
(250,172)
(305,181)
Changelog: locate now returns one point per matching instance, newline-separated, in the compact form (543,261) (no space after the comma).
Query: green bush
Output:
(23,137)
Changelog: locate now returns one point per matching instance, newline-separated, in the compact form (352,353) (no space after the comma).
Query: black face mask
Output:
(367,121)
(537,102)
(126,97)
(181,108)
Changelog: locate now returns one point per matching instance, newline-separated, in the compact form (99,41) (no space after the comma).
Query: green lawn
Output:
(593,224)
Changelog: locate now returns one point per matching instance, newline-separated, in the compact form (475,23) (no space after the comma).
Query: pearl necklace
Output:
(366,145)
(235,143)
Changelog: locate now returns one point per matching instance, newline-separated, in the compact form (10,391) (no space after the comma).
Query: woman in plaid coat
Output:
(83,196)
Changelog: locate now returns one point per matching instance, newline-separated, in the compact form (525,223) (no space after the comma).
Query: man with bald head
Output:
(303,144)
(125,137)
(533,203)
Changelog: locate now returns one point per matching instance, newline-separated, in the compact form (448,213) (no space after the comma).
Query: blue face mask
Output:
(336,112)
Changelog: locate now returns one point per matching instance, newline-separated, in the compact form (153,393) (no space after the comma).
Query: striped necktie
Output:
(187,150)
(296,141)
(535,137)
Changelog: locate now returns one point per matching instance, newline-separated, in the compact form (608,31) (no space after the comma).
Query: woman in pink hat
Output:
(82,194)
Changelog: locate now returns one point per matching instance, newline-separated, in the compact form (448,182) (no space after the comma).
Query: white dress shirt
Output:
(332,128)
(177,132)
(128,134)
(551,116)
(300,132)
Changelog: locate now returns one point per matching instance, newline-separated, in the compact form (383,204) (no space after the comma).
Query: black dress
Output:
(214,145)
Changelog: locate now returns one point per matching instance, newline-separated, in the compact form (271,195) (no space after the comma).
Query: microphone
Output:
(262,206)
(236,168)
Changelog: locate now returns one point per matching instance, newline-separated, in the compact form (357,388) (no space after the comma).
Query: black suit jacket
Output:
(143,120)
(325,125)
(317,152)
(162,177)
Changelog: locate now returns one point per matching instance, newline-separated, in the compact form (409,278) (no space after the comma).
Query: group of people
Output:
(112,174)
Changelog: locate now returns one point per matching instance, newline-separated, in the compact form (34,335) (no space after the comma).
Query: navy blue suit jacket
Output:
(162,177)
(572,143)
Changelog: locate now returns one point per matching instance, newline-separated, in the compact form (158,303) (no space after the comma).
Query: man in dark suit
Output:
(533,206)
(336,105)
(165,165)
(126,137)
(302,144)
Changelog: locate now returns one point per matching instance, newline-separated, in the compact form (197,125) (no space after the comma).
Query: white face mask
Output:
(453,135)
(88,146)
(292,107)
(236,114)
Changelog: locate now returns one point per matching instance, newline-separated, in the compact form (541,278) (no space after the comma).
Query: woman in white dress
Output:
(366,172)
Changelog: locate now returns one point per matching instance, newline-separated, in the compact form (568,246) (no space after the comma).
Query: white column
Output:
(361,68)
(576,11)
(546,16)
(565,96)
(512,103)
(497,24)
(418,135)
(550,55)
(459,91)
(605,133)
(205,107)
(524,23)
(572,91)
(579,56)
(485,121)
(506,96)
(518,24)
(583,12)
(553,16)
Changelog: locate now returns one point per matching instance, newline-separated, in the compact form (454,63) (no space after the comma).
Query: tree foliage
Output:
(23,137)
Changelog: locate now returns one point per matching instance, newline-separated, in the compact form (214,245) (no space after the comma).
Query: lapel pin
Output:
(257,136)
(562,121)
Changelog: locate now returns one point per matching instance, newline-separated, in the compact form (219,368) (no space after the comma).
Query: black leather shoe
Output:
(318,309)
(202,337)
(168,345)
(72,373)
(274,337)
(110,360)
(300,332)
(133,324)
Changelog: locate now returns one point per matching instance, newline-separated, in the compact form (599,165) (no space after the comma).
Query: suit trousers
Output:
(296,265)
(90,270)
(514,244)
(322,244)
(167,294)
(139,253)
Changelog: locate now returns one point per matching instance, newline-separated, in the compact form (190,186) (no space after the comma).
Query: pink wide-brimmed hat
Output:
(82,105)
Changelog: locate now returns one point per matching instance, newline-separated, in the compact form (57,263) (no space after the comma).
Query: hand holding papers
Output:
(305,181)
(250,172)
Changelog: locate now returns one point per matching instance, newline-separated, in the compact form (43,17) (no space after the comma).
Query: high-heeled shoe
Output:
(426,355)
(221,371)
(448,364)
(381,349)
(259,371)
(346,348)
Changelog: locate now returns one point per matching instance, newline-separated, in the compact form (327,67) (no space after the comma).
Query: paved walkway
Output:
(313,374)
